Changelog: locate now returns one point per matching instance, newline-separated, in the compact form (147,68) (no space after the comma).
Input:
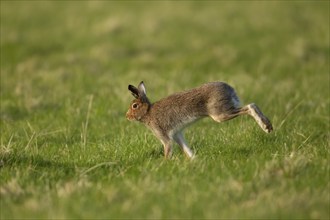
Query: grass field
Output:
(67,150)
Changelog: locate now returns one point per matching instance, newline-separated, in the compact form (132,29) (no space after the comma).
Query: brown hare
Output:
(169,116)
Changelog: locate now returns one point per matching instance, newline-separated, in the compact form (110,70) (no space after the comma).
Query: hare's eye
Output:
(135,105)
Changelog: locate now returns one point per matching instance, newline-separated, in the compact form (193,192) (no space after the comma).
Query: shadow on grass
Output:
(155,153)
(41,167)
(11,112)
(10,160)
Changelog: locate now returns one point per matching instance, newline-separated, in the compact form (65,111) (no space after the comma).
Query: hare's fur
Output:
(169,116)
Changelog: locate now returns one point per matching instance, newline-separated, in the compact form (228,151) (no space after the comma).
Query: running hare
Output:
(169,116)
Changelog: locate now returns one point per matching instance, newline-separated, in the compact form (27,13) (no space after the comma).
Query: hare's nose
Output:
(128,116)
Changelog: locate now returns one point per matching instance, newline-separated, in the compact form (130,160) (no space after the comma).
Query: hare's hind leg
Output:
(253,110)
(178,137)
(250,109)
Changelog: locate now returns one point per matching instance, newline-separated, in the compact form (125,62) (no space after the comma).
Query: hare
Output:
(169,116)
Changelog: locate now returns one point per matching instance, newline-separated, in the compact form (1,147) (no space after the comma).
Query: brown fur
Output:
(169,116)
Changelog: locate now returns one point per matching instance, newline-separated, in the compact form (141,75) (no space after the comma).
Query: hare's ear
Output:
(142,89)
(134,90)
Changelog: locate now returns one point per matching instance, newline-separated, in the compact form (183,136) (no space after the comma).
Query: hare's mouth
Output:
(129,117)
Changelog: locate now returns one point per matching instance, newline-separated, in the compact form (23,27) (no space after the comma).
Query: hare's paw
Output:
(267,125)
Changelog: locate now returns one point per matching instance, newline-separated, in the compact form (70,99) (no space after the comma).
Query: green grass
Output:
(67,150)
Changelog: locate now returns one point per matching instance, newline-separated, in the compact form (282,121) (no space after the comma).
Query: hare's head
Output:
(140,105)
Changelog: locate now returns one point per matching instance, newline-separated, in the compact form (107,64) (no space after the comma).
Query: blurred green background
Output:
(67,150)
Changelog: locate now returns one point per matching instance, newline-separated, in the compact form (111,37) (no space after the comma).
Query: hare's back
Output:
(198,101)
(175,111)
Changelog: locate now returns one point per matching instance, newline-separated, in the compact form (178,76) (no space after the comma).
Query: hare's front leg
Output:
(167,143)
(164,138)
(168,150)
(178,137)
